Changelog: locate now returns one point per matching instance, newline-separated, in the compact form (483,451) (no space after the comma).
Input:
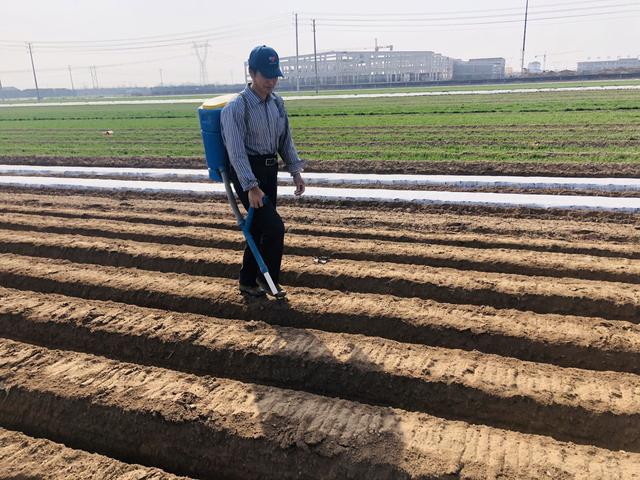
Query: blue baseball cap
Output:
(265,60)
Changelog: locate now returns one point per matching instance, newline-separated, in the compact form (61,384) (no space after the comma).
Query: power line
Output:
(426,17)
(187,38)
(146,42)
(497,22)
(458,12)
(103,66)
(485,27)
(333,24)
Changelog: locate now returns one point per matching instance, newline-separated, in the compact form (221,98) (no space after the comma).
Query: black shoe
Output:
(252,290)
(280,293)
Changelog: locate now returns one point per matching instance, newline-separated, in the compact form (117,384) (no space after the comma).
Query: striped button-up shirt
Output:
(268,133)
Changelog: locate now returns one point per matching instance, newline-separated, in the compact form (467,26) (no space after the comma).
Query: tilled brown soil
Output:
(614,300)
(368,207)
(23,457)
(45,237)
(431,344)
(450,383)
(276,432)
(483,228)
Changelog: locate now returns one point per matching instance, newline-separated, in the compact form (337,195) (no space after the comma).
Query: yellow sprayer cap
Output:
(218,102)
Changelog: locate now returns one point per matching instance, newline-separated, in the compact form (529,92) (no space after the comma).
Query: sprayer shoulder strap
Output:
(280,104)
(246,116)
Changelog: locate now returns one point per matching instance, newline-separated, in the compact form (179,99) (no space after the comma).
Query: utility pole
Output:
(73,88)
(315,54)
(524,37)
(297,64)
(35,78)
(161,81)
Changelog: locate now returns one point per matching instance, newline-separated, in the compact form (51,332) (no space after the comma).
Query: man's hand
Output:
(255,197)
(300,186)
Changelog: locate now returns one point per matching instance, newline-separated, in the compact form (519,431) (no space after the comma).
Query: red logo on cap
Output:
(273,59)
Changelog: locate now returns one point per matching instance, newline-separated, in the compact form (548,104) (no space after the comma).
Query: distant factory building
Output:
(534,67)
(622,64)
(479,69)
(361,68)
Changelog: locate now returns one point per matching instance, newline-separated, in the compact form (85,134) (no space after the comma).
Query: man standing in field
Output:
(255,128)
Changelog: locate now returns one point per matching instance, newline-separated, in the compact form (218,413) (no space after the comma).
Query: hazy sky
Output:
(130,41)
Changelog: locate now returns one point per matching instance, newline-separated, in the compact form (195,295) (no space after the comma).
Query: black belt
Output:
(268,160)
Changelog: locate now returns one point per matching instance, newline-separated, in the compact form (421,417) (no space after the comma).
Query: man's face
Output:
(262,85)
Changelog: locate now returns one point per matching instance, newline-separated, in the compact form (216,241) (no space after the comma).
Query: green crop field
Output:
(584,126)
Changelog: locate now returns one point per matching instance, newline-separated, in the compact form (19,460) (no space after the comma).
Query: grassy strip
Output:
(423,88)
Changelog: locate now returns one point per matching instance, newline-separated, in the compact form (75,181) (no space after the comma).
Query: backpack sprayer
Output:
(218,165)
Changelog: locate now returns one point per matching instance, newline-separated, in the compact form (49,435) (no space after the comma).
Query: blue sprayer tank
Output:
(215,153)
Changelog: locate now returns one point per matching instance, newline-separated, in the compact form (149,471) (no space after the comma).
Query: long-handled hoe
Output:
(218,165)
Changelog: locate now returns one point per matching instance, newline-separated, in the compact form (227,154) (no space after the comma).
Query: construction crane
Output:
(378,47)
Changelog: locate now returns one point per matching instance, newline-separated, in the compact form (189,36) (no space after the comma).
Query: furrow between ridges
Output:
(499,260)
(600,408)
(199,425)
(565,340)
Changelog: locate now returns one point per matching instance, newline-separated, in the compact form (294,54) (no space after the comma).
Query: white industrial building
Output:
(478,69)
(362,68)
(534,67)
(600,66)
(339,68)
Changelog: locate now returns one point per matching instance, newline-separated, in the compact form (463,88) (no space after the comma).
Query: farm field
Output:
(417,341)
(567,133)
(434,342)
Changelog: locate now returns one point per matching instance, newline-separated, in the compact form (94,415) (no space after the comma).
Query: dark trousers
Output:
(267,227)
